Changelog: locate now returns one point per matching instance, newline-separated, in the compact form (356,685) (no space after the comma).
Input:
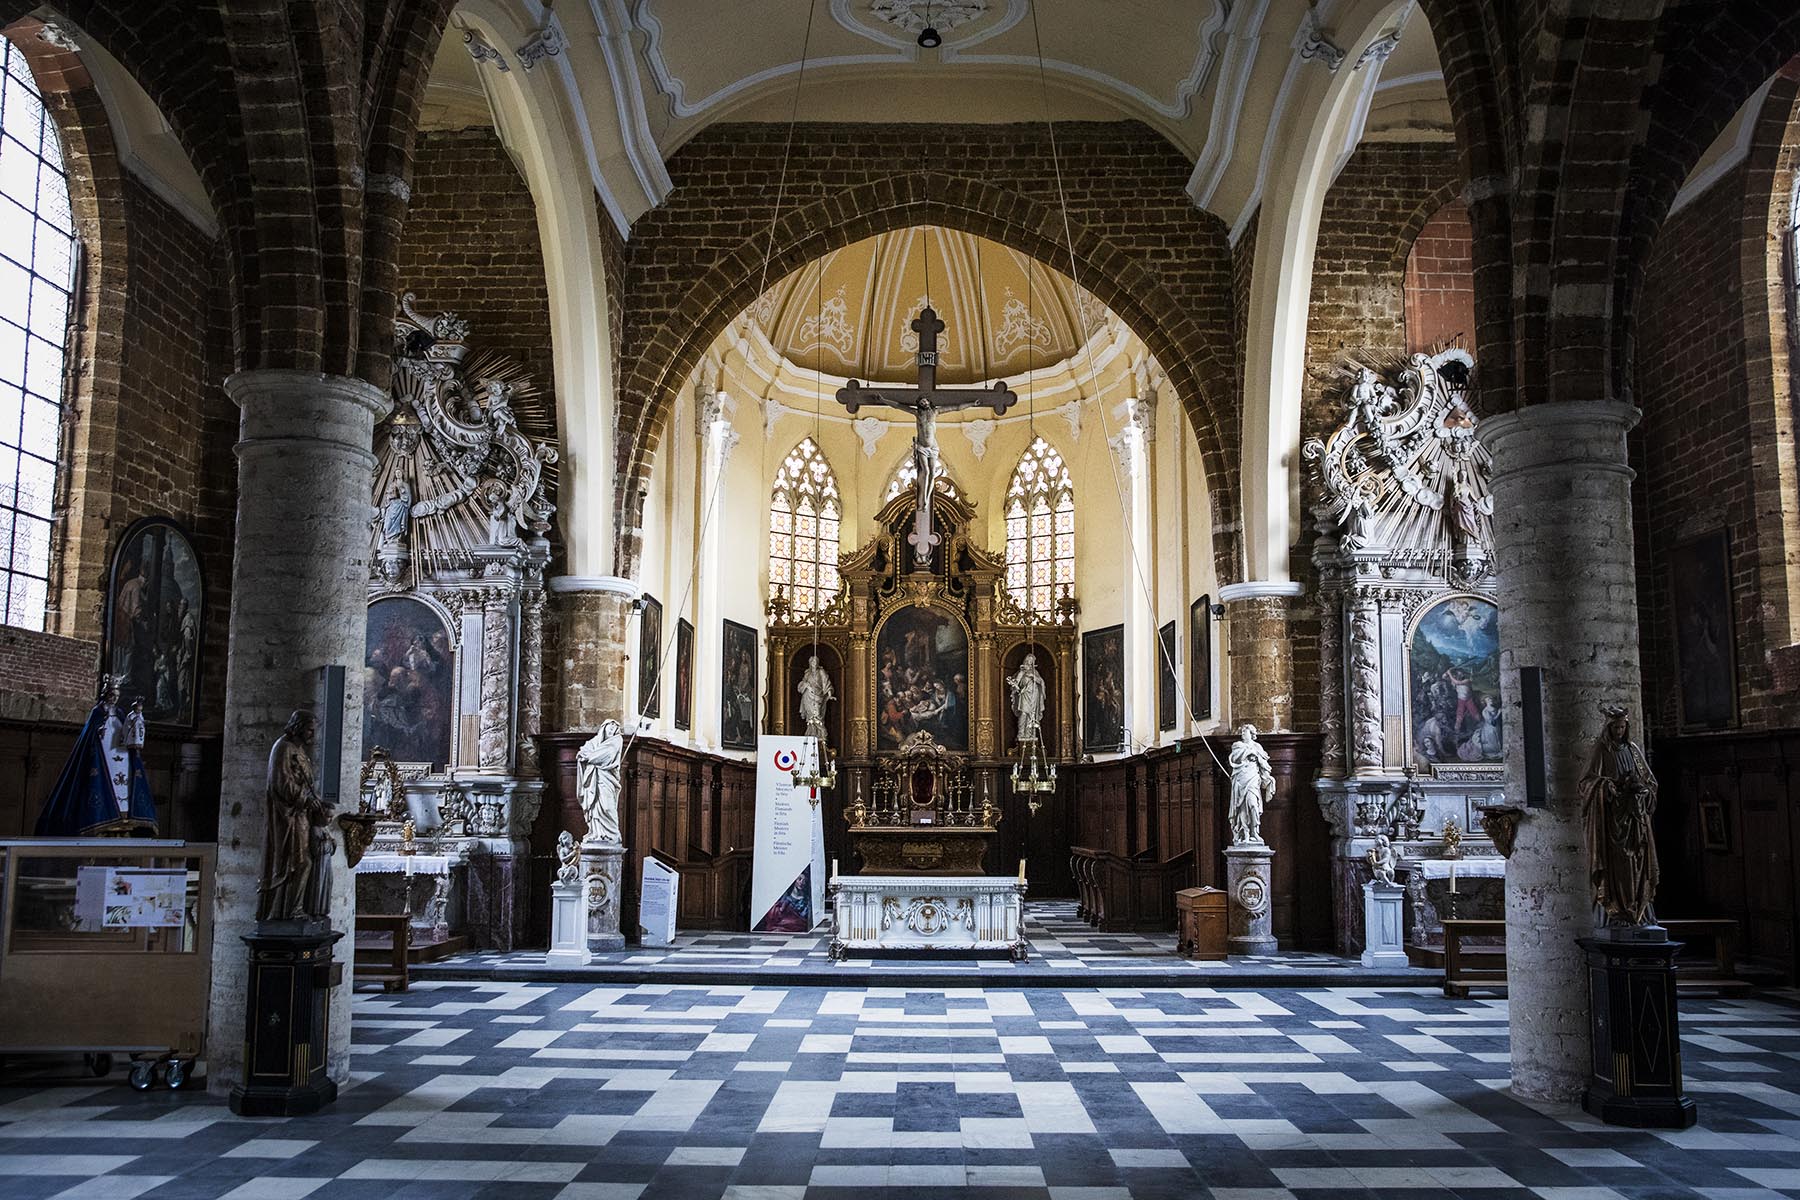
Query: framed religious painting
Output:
(921,678)
(1167,692)
(1200,656)
(1103,690)
(409,683)
(649,681)
(737,688)
(1453,685)
(155,616)
(684,673)
(1705,657)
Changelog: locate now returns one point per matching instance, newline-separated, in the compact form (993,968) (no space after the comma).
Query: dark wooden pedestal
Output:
(288,1023)
(1635,1076)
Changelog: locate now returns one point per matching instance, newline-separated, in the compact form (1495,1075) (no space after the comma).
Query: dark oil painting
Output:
(1455,684)
(1705,666)
(154,620)
(1200,656)
(649,683)
(737,691)
(684,674)
(1166,691)
(408,683)
(922,679)
(1103,690)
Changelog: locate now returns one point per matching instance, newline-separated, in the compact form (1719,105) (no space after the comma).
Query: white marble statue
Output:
(597,783)
(568,871)
(1382,860)
(1252,787)
(1027,688)
(815,694)
(134,726)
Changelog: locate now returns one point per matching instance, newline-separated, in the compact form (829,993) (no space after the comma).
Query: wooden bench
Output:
(386,965)
(1469,968)
(1117,894)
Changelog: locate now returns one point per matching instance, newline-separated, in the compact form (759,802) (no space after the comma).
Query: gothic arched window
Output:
(37,275)
(804,516)
(1040,529)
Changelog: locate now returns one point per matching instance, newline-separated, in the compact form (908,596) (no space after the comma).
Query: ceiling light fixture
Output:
(929,37)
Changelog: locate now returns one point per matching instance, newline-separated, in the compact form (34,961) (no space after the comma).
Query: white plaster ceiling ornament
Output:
(547,42)
(58,36)
(829,325)
(912,16)
(772,412)
(870,430)
(1404,475)
(978,431)
(909,337)
(1312,41)
(1071,412)
(1019,326)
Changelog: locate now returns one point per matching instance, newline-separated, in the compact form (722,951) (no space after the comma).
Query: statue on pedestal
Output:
(597,767)
(297,845)
(568,859)
(1382,860)
(1027,688)
(103,788)
(1619,793)
(815,694)
(1252,787)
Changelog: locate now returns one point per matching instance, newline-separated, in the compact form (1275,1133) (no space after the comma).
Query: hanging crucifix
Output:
(925,402)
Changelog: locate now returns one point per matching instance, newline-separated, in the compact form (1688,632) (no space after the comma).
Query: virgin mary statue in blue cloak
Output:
(103,788)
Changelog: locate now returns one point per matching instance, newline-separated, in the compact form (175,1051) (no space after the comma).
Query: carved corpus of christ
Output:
(925,402)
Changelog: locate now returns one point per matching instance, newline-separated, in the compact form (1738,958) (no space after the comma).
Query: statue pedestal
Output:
(287,1024)
(602,869)
(1635,1074)
(1247,886)
(1384,942)
(568,926)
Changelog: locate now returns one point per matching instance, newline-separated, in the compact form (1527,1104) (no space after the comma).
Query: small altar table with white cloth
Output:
(420,885)
(947,913)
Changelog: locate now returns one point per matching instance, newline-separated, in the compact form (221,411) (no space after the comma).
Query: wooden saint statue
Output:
(296,846)
(1619,793)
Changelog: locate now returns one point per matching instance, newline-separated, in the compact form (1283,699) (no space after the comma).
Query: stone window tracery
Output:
(37,274)
(805,514)
(1040,530)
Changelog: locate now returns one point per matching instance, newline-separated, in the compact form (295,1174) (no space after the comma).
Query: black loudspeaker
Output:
(330,744)
(1531,705)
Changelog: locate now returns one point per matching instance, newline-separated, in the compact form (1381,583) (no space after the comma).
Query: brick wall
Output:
(471,246)
(48,678)
(1440,283)
(1695,448)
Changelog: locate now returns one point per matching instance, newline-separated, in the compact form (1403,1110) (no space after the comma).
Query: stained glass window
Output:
(37,275)
(804,516)
(1040,530)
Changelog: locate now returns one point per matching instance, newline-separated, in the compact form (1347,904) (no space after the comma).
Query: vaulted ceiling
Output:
(851,312)
(1215,77)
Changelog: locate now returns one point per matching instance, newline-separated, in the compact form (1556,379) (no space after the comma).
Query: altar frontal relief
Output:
(1455,680)
(407,679)
(922,679)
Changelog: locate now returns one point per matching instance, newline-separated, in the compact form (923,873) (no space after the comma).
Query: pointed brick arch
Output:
(1188,351)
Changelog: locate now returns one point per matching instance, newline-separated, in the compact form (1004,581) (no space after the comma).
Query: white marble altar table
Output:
(947,913)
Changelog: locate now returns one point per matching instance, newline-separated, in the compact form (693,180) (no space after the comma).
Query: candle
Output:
(1453,875)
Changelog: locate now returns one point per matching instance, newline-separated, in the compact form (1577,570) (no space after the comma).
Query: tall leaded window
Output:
(37,273)
(1040,529)
(804,516)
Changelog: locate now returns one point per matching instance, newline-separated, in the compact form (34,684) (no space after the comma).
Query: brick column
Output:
(1568,605)
(298,593)
(1260,653)
(594,614)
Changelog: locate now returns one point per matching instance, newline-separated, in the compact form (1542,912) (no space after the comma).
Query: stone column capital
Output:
(1584,434)
(333,413)
(616,585)
(1281,589)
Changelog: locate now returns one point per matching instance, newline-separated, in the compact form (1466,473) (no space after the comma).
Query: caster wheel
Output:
(98,1065)
(143,1074)
(178,1074)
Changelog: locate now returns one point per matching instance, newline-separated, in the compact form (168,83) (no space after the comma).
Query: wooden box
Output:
(1200,923)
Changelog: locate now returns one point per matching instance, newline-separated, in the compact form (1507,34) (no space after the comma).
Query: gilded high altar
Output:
(892,642)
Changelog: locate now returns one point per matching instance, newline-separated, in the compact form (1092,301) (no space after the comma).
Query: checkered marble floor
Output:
(757,1093)
(1060,943)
